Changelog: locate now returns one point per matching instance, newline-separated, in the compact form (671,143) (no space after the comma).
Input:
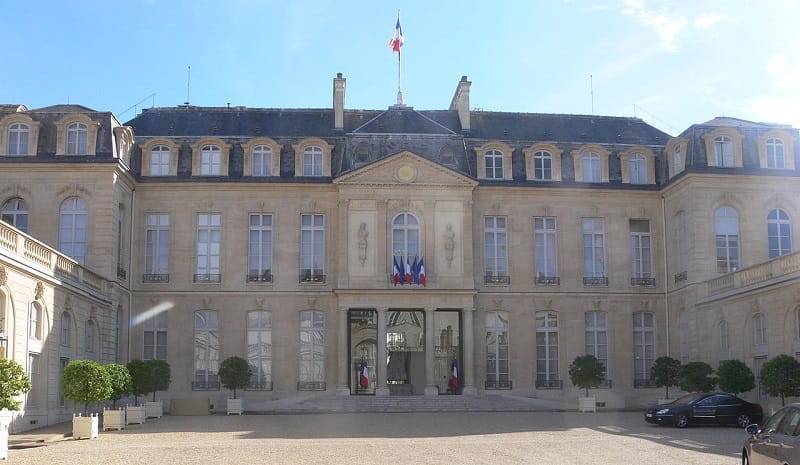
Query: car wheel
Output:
(681,420)
(743,420)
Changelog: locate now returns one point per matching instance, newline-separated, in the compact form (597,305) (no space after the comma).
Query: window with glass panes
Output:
(775,157)
(18,139)
(779,233)
(637,169)
(90,339)
(641,257)
(159,161)
(590,167)
(497,367)
(312,247)
(312,161)
(759,329)
(594,261)
(644,346)
(596,337)
(261,161)
(259,349)
(154,337)
(494,164)
(677,160)
(542,166)
(34,321)
(683,336)
(209,242)
(15,212)
(77,139)
(312,350)
(547,350)
(65,326)
(724,337)
(683,250)
(405,236)
(726,225)
(33,376)
(62,365)
(545,248)
(259,248)
(210,161)
(156,258)
(206,350)
(495,247)
(73,223)
(723,151)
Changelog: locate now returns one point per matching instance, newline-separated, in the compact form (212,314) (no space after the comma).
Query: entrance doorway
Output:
(447,359)
(363,351)
(405,352)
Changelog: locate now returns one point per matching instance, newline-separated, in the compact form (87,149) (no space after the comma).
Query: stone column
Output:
(430,349)
(380,362)
(342,384)
(468,369)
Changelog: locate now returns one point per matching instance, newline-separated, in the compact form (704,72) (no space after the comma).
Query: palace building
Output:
(326,244)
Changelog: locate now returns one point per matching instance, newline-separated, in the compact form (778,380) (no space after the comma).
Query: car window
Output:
(728,400)
(772,424)
(685,399)
(708,402)
(789,424)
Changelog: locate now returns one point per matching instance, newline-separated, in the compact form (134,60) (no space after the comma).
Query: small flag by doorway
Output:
(455,381)
(397,38)
(363,380)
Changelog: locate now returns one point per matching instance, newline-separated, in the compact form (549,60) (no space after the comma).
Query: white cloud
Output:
(777,64)
(776,110)
(710,19)
(666,24)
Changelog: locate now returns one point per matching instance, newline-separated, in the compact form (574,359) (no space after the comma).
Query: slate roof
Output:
(402,120)
(65,109)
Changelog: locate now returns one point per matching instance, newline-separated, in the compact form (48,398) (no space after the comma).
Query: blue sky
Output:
(672,63)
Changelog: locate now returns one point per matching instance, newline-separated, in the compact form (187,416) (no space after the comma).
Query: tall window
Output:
(759,329)
(497,376)
(66,323)
(259,248)
(156,259)
(405,236)
(683,336)
(726,225)
(779,233)
(590,167)
(547,350)
(73,222)
(154,337)
(18,139)
(724,337)
(641,258)
(677,160)
(683,248)
(545,250)
(90,340)
(159,161)
(312,161)
(209,242)
(543,166)
(206,350)
(644,347)
(262,161)
(723,151)
(15,212)
(596,337)
(637,169)
(312,248)
(494,164)
(259,349)
(62,365)
(775,157)
(121,243)
(210,161)
(758,363)
(594,261)
(33,375)
(312,351)
(496,255)
(77,139)
(35,322)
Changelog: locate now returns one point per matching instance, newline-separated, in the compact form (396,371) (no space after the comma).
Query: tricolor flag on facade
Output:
(364,378)
(402,270)
(421,271)
(409,278)
(395,271)
(455,381)
(397,38)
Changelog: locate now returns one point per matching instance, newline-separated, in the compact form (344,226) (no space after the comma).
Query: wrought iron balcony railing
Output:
(548,280)
(644,383)
(496,279)
(262,386)
(595,281)
(680,277)
(497,384)
(308,277)
(121,273)
(311,385)
(549,384)
(265,277)
(155,278)
(207,278)
(205,385)
(643,282)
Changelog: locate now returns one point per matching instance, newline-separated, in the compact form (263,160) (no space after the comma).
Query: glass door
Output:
(363,351)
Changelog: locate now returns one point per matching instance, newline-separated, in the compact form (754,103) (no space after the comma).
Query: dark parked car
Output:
(717,408)
(778,442)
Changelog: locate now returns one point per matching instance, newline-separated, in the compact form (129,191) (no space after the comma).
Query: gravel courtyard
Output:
(388,438)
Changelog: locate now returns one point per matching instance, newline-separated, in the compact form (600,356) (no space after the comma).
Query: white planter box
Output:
(235,407)
(113,419)
(135,415)
(587,404)
(85,427)
(154,409)
(5,423)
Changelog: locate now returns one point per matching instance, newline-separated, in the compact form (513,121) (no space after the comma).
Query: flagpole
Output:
(399,71)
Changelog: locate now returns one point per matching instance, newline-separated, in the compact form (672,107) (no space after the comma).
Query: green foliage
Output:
(735,377)
(85,381)
(696,376)
(780,376)
(13,382)
(234,373)
(666,372)
(140,378)
(160,376)
(121,381)
(586,372)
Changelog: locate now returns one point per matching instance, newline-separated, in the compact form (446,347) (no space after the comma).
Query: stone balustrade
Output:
(775,268)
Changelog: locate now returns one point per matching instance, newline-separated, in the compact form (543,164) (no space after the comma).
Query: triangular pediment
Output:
(405,168)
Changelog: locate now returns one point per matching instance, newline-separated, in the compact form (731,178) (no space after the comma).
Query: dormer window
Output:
(159,161)
(542,162)
(775,156)
(494,164)
(312,161)
(77,139)
(542,166)
(494,161)
(18,134)
(262,161)
(210,161)
(590,166)
(637,169)
(677,160)
(312,157)
(723,152)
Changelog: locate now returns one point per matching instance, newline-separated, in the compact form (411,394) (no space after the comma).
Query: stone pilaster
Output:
(380,363)
(430,349)
(468,369)
(342,384)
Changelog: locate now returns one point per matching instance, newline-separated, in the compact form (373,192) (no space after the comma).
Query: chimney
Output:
(339,85)
(461,103)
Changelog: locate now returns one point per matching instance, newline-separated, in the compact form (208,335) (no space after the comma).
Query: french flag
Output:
(397,38)
(409,278)
(395,271)
(364,378)
(401,271)
(455,381)
(421,272)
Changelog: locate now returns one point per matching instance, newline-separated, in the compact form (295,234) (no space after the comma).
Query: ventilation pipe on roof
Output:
(460,103)
(339,85)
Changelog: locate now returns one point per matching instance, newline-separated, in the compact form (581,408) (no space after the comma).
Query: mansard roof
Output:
(403,120)
(66,108)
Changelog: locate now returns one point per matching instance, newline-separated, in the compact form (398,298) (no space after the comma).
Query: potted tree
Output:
(665,372)
(84,382)
(160,377)
(140,382)
(234,373)
(120,386)
(780,376)
(735,377)
(696,377)
(13,382)
(586,372)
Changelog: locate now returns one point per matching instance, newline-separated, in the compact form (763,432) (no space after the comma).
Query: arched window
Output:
(726,226)
(362,154)
(259,349)
(262,161)
(779,233)
(312,161)
(637,169)
(547,350)
(15,212)
(77,139)
(312,351)
(543,166)
(724,337)
(206,350)
(159,161)
(35,322)
(66,330)
(759,329)
(775,156)
(210,161)
(596,337)
(73,221)
(405,236)
(677,160)
(18,134)
(494,164)
(590,167)
(91,334)
(497,369)
(723,151)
